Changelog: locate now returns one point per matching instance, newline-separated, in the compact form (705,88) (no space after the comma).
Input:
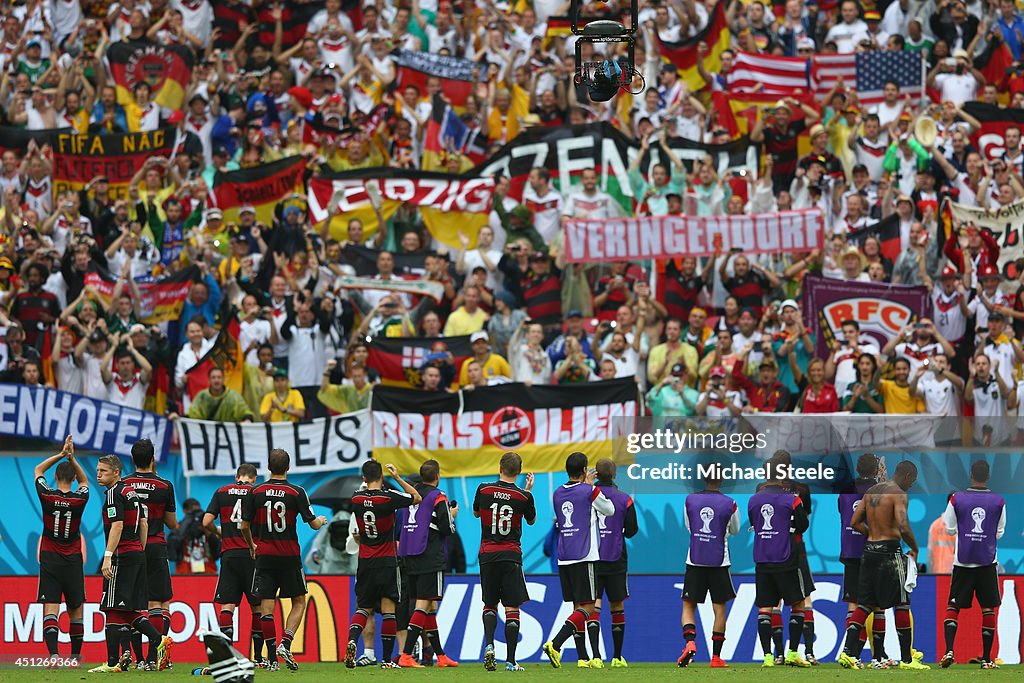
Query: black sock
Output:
(690,631)
(594,633)
(77,631)
(355,628)
(717,640)
(764,632)
(809,633)
(125,638)
(777,635)
(271,643)
(796,628)
(878,636)
(906,636)
(415,630)
(854,646)
(950,626)
(142,625)
(257,636)
(286,639)
(51,631)
(511,634)
(618,632)
(137,643)
(580,638)
(567,631)
(113,634)
(434,636)
(387,635)
(490,625)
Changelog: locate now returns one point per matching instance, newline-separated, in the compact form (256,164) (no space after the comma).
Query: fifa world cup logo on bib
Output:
(567,513)
(978,515)
(767,512)
(706,515)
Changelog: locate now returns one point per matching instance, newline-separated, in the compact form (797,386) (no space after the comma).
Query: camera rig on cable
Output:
(601,80)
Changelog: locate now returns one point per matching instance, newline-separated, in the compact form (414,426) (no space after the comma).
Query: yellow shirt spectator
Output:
(283,404)
(494,366)
(898,400)
(462,322)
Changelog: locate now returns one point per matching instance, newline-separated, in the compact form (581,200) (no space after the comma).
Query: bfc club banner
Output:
(44,413)
(1006,223)
(544,424)
(328,444)
(881,310)
(658,237)
(652,620)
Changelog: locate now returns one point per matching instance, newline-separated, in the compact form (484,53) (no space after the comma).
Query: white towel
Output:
(911,581)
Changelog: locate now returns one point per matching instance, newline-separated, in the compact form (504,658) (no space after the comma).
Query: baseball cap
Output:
(280,372)
(988,270)
(574,313)
(805,43)
(479,335)
(996,316)
(220,151)
(949,272)
(100,335)
(176,116)
(766,363)
(246,208)
(788,303)
(6,263)
(960,53)
(678,370)
(668,68)
(539,256)
(717,371)
(214,214)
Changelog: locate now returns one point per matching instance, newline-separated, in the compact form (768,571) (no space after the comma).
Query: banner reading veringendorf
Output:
(658,237)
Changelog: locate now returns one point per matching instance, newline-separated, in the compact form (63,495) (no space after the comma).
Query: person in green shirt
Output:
(663,179)
(218,403)
(345,398)
(863,396)
(915,40)
(672,396)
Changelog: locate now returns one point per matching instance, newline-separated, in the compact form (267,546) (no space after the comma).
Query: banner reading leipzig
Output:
(473,428)
(44,413)
(881,310)
(1006,223)
(329,444)
(657,237)
(77,159)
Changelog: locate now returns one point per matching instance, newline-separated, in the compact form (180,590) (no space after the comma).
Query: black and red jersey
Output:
(123,505)
(273,509)
(502,507)
(62,519)
(375,516)
(226,505)
(748,290)
(157,494)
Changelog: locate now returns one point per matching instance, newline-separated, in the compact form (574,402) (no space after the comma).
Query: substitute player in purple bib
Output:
(882,517)
(60,547)
(778,519)
(577,504)
(710,517)
(502,507)
(612,565)
(977,516)
(270,514)
(237,566)
(422,542)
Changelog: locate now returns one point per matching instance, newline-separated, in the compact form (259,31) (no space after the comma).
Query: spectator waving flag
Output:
(446,135)
(458,76)
(768,74)
(684,53)
(167,69)
(866,73)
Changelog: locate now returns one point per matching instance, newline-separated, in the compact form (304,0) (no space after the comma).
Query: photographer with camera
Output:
(718,400)
(192,547)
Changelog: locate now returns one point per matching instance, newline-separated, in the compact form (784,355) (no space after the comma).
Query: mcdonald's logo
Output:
(325,622)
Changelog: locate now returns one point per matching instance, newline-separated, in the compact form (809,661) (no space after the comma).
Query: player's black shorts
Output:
(126,590)
(790,586)
(883,573)
(968,582)
(235,580)
(699,581)
(503,582)
(426,586)
(61,575)
(278,577)
(158,573)
(374,584)
(851,579)
(579,582)
(614,586)
(405,603)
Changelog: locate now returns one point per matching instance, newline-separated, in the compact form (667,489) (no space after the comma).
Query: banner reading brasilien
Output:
(329,444)
(44,413)
(470,430)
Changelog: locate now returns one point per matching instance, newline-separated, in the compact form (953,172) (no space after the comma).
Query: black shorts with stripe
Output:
(851,578)
(579,582)
(235,580)
(970,582)
(788,585)
(374,584)
(428,586)
(158,573)
(883,574)
(278,577)
(503,581)
(61,576)
(699,581)
(126,589)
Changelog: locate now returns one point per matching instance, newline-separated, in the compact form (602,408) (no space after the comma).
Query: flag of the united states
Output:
(867,72)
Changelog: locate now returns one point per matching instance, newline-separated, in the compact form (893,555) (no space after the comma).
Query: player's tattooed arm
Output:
(903,524)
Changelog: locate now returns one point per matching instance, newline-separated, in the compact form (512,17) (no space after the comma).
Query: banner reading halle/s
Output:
(472,429)
(44,413)
(80,158)
(658,237)
(1006,223)
(329,444)
(881,310)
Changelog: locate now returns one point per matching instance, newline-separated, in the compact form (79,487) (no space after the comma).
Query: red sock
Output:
(388,627)
(359,619)
(952,613)
(808,616)
(618,618)
(594,616)
(225,619)
(988,620)
(902,617)
(776,620)
(269,629)
(419,618)
(432,621)
(578,619)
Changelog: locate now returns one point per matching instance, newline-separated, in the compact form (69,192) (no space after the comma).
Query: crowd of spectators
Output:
(723,335)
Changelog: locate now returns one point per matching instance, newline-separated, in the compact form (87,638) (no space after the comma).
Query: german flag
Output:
(738,113)
(262,187)
(559,26)
(226,354)
(161,298)
(684,53)
(447,135)
(167,69)
(414,68)
(887,231)
(399,360)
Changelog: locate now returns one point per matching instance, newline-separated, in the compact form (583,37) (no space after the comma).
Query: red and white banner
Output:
(320,638)
(658,237)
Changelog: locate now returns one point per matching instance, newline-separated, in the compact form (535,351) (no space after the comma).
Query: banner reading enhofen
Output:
(329,444)
(472,429)
(658,237)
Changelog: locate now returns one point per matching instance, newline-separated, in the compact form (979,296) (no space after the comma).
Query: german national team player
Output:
(422,543)
(710,517)
(779,518)
(269,526)
(882,516)
(577,505)
(157,494)
(236,564)
(124,571)
(377,578)
(977,516)
(612,565)
(60,547)
(502,507)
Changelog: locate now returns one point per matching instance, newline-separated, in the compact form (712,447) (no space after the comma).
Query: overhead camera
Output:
(601,80)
